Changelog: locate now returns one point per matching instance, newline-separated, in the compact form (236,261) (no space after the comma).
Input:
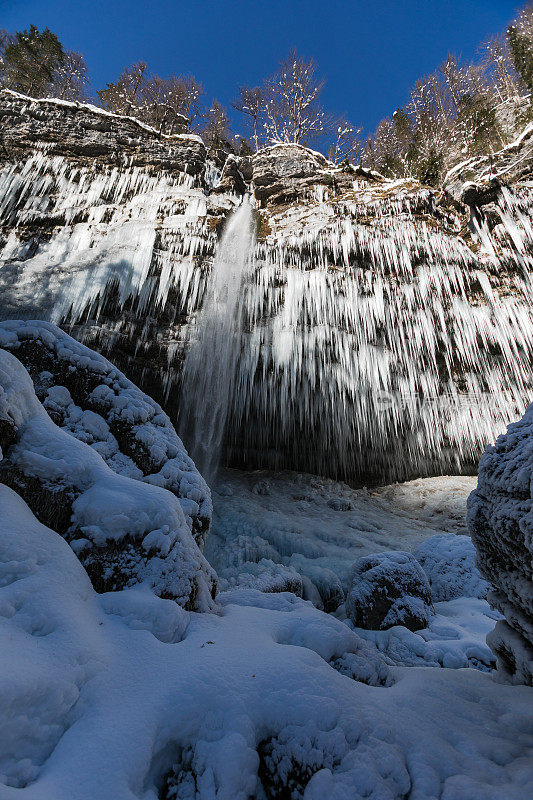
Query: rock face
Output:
(388,327)
(93,135)
(125,527)
(284,173)
(389,589)
(500,516)
(449,562)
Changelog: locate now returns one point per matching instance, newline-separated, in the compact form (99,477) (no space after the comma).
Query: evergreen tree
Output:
(520,37)
(30,61)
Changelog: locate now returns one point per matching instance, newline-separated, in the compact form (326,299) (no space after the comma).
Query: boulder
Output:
(388,589)
(500,518)
(449,561)
(124,531)
(87,396)
(285,172)
(231,180)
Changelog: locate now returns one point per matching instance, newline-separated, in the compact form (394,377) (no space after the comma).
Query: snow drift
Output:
(126,696)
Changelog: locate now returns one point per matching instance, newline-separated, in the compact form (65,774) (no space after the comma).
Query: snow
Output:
(455,637)
(105,508)
(321,527)
(126,699)
(102,112)
(388,589)
(449,562)
(114,402)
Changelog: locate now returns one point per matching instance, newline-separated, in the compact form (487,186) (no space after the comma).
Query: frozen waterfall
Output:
(209,373)
(365,337)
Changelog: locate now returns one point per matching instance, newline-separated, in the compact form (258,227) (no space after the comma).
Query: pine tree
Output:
(520,37)
(30,61)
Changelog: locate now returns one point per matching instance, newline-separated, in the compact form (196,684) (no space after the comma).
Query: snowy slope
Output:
(120,696)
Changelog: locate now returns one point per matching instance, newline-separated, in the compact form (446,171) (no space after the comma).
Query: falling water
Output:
(209,371)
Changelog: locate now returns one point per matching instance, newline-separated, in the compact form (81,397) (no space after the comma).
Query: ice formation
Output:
(383,336)
(267,523)
(449,561)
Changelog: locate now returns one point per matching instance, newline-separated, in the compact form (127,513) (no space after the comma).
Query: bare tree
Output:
(5,40)
(70,79)
(498,64)
(170,105)
(216,131)
(163,101)
(193,91)
(251,103)
(346,142)
(125,96)
(292,109)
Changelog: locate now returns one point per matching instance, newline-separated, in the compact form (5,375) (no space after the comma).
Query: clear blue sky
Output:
(369,51)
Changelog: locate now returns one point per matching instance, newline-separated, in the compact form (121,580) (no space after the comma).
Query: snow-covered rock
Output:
(124,531)
(449,562)
(500,515)
(284,173)
(319,527)
(85,132)
(455,638)
(87,396)
(389,589)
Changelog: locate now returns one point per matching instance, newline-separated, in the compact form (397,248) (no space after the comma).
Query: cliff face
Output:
(387,326)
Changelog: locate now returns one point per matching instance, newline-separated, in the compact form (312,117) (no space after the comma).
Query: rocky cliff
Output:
(500,515)
(387,326)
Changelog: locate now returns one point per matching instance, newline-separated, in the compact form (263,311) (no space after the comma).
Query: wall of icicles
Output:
(375,343)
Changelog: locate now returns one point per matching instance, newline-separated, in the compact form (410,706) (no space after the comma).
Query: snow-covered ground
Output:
(319,527)
(126,695)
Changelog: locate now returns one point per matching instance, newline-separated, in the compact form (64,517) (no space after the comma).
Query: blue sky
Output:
(370,52)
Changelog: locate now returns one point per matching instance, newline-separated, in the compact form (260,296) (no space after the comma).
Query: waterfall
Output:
(210,366)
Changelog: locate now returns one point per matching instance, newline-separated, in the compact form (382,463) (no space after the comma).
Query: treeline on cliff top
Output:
(459,110)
